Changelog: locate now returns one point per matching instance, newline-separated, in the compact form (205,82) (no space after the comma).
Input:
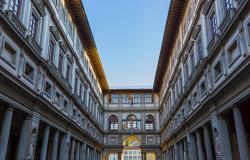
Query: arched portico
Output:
(131,148)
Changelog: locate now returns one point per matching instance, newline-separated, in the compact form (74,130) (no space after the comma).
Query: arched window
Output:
(131,121)
(149,122)
(113,122)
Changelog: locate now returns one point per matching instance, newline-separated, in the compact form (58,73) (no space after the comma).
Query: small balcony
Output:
(16,22)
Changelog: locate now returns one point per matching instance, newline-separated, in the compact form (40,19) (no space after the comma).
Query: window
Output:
(68,73)
(136,98)
(65,105)
(217,70)
(60,62)
(131,122)
(180,83)
(48,89)
(80,90)
(125,99)
(29,71)
(113,122)
(192,61)
(15,6)
(9,54)
(57,98)
(195,97)
(114,98)
(213,24)
(203,88)
(149,122)
(76,84)
(186,71)
(199,49)
(33,28)
(84,93)
(228,4)
(148,98)
(233,52)
(51,50)
(189,105)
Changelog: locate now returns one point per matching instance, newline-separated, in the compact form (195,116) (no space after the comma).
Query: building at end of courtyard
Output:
(131,124)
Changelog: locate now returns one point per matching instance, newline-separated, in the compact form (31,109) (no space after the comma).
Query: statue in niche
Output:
(32,144)
(218,150)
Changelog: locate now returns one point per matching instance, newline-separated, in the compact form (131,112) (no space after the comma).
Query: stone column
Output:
(241,134)
(23,140)
(185,148)
(119,156)
(78,151)
(177,151)
(192,147)
(64,148)
(82,153)
(120,121)
(181,150)
(143,156)
(199,146)
(44,149)
(55,145)
(73,144)
(5,132)
(208,145)
(221,138)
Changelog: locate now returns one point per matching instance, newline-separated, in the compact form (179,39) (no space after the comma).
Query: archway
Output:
(131,149)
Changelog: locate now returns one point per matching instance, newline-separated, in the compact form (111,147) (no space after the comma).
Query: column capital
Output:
(235,107)
(215,116)
(11,107)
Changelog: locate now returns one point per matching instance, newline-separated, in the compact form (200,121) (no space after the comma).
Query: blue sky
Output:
(128,35)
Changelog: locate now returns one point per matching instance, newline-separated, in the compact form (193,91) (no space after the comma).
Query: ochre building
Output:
(56,104)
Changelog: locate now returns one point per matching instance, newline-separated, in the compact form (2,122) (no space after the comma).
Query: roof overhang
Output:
(79,17)
(171,29)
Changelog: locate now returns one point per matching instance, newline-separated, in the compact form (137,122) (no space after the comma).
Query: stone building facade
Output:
(51,98)
(131,113)
(204,84)
(55,102)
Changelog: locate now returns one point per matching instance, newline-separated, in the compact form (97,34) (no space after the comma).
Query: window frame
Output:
(18,7)
(113,122)
(31,80)
(149,124)
(51,55)
(36,34)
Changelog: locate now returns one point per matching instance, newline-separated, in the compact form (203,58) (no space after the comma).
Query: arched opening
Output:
(113,122)
(149,122)
(131,149)
(131,122)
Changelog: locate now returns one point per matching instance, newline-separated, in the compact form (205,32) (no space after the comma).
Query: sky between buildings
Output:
(128,35)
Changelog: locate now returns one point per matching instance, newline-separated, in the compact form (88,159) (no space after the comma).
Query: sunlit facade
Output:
(131,125)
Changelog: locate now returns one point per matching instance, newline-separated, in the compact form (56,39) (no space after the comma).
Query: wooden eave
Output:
(79,17)
(171,30)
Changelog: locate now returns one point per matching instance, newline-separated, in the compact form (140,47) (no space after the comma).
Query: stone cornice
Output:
(80,19)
